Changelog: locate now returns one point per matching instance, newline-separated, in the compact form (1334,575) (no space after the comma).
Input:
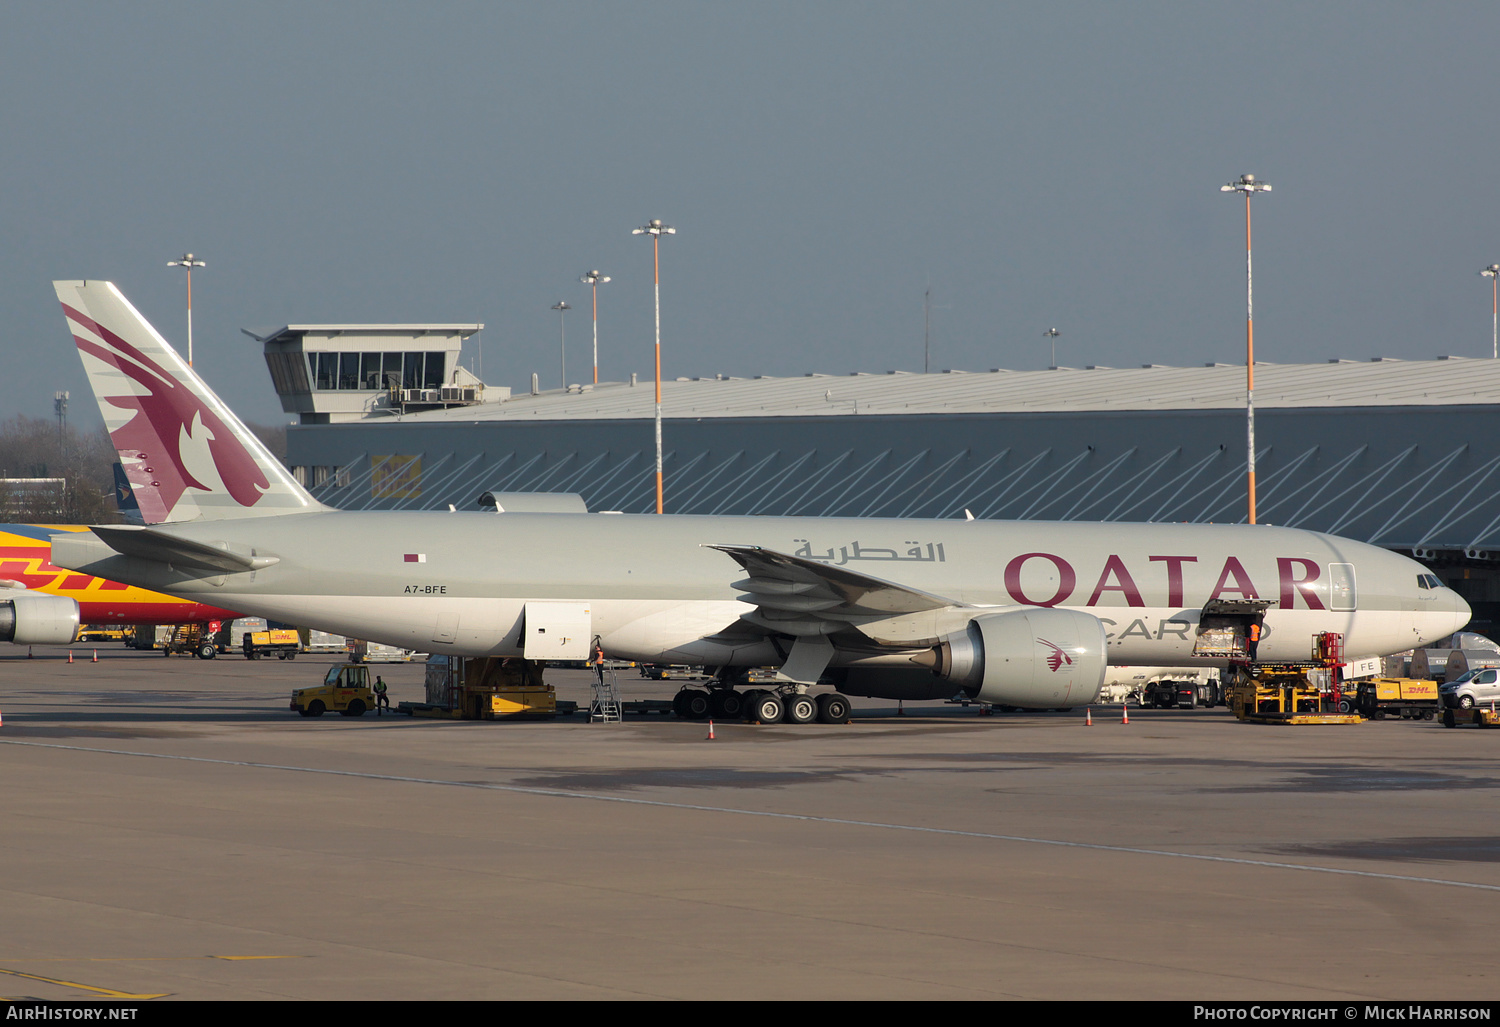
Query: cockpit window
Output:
(1428,581)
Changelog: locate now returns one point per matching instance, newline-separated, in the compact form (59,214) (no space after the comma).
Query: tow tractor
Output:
(345,689)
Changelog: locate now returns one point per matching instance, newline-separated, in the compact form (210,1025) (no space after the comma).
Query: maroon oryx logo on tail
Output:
(1056,658)
(150,442)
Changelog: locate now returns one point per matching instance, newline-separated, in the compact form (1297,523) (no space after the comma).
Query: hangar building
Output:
(1401,454)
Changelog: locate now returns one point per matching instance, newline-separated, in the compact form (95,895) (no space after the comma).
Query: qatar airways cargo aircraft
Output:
(1019,613)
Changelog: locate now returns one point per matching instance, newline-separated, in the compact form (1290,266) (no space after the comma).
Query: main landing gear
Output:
(762,705)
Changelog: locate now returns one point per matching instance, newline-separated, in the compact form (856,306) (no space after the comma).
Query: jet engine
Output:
(1035,657)
(34,619)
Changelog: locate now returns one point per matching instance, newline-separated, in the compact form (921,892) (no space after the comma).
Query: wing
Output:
(812,601)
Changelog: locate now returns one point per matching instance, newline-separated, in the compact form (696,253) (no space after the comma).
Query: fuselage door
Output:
(1224,627)
(557,631)
(1343,597)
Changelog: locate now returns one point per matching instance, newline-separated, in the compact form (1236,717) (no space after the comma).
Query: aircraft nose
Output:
(1462,612)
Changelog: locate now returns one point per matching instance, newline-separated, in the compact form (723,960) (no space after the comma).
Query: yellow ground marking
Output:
(107,992)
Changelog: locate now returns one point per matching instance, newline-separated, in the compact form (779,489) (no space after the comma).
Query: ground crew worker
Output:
(1252,642)
(598,660)
(381,699)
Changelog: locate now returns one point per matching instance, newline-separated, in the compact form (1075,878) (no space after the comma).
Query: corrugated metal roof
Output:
(1445,381)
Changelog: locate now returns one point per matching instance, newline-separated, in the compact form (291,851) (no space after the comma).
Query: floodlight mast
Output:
(188,262)
(1493,274)
(593,279)
(1249,185)
(655,229)
(562,308)
(1052,334)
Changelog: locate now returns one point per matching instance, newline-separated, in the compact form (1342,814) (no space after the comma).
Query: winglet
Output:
(184,453)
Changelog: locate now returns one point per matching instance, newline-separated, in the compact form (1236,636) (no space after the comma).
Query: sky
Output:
(825,164)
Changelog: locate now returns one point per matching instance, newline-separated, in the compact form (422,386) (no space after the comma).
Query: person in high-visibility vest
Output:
(1252,641)
(382,701)
(598,660)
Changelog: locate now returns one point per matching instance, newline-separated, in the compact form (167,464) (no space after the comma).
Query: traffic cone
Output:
(2,719)
(710,731)
(1088,716)
(96,657)
(70,656)
(1124,714)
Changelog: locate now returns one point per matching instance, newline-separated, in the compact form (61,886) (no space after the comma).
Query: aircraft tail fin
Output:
(183,452)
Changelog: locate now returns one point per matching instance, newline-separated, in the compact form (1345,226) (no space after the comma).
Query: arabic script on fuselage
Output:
(930,552)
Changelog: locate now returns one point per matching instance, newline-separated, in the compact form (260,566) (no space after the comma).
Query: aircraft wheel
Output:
(726,704)
(833,709)
(691,704)
(800,709)
(207,651)
(1345,706)
(316,708)
(765,708)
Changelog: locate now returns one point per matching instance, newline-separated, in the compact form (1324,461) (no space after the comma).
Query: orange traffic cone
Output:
(70,656)
(1088,717)
(96,657)
(1124,714)
(710,731)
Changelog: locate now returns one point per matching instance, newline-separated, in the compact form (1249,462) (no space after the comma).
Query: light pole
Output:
(1249,185)
(1493,274)
(655,229)
(562,308)
(593,279)
(188,262)
(1052,333)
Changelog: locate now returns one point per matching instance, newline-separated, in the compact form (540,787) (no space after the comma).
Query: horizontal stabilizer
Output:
(149,544)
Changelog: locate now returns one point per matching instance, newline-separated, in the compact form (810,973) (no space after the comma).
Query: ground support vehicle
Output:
(285,643)
(199,639)
(102,633)
(1281,695)
(664,672)
(1407,698)
(1478,688)
(1479,717)
(345,690)
(487,688)
(1182,695)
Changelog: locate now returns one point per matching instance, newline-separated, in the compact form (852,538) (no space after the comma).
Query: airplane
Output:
(43,604)
(1027,613)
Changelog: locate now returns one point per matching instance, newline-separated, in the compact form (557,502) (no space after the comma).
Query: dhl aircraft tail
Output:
(183,452)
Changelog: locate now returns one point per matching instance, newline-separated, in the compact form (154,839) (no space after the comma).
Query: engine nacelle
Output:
(38,620)
(1035,656)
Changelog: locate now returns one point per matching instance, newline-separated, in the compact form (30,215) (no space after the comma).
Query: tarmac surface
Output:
(172,830)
